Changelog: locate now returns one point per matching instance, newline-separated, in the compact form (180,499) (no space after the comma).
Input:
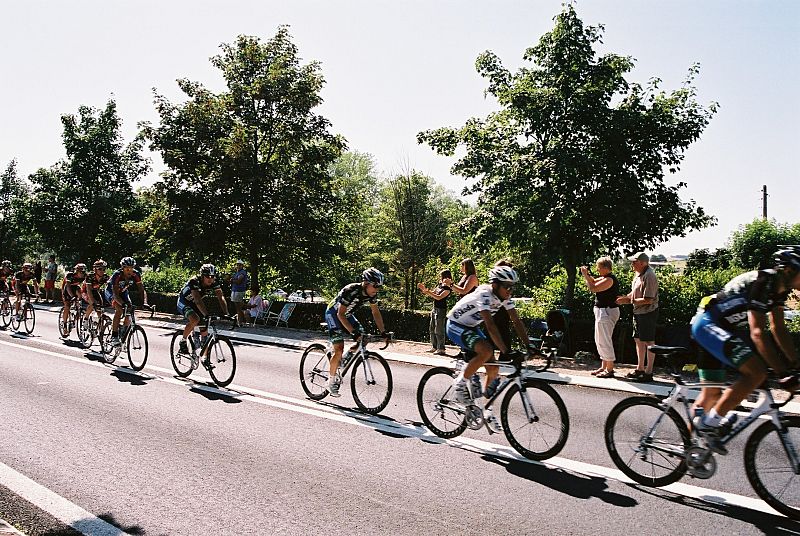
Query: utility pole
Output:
(764,202)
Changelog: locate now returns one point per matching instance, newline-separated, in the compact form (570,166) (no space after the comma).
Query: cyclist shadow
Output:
(769,524)
(574,485)
(90,526)
(212,392)
(130,376)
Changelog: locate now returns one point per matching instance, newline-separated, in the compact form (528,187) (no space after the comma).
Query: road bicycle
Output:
(370,381)
(131,336)
(215,352)
(90,329)
(650,441)
(74,317)
(26,317)
(533,415)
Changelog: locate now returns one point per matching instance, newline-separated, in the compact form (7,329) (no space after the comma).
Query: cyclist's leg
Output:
(65,297)
(336,333)
(17,297)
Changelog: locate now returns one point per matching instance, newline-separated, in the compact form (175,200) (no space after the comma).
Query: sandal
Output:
(598,371)
(605,374)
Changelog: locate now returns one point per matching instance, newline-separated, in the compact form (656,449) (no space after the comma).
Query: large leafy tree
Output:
(80,205)
(248,168)
(753,244)
(17,238)
(574,162)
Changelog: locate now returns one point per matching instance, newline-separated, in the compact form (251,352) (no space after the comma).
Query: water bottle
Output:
(346,359)
(476,386)
(698,416)
(197,342)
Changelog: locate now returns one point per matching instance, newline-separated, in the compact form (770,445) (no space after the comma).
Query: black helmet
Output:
(127,261)
(374,276)
(788,256)
(209,270)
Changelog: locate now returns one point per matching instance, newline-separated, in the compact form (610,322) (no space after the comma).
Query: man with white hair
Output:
(644,298)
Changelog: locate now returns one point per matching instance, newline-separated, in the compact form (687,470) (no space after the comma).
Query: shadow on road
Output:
(92,526)
(574,485)
(130,376)
(230,397)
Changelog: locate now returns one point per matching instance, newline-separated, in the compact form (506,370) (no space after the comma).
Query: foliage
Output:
(753,244)
(248,168)
(79,205)
(18,242)
(168,278)
(701,259)
(573,164)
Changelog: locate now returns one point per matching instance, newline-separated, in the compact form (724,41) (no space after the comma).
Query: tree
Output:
(753,244)
(15,236)
(703,259)
(573,164)
(79,205)
(248,168)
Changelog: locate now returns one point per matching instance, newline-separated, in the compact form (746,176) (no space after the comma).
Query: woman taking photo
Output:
(606,313)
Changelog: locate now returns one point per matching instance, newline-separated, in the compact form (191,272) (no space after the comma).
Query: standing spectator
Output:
(37,276)
(606,313)
(469,279)
(50,279)
(439,312)
(644,298)
(238,288)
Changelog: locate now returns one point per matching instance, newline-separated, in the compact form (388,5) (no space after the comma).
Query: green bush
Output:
(167,279)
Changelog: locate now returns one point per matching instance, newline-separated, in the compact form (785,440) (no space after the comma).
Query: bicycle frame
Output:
(360,351)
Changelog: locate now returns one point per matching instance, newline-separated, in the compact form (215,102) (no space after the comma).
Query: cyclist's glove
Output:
(356,335)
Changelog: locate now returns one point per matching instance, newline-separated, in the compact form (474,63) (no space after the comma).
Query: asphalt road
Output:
(152,454)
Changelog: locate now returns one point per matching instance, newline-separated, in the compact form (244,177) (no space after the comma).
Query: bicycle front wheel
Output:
(181,361)
(768,459)
(107,350)
(86,330)
(535,420)
(16,320)
(439,412)
(63,327)
(371,383)
(314,372)
(645,442)
(5,312)
(28,318)
(221,361)
(137,348)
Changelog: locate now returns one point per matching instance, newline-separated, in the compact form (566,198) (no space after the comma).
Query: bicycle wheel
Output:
(371,383)
(86,329)
(440,414)
(314,371)
(63,327)
(541,433)
(28,318)
(137,347)
(768,465)
(108,350)
(5,312)
(16,320)
(645,443)
(221,361)
(181,361)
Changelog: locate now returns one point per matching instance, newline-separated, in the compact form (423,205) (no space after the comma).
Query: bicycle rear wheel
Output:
(439,412)
(5,312)
(371,383)
(541,433)
(314,372)
(645,442)
(769,467)
(221,361)
(137,347)
(28,318)
(181,361)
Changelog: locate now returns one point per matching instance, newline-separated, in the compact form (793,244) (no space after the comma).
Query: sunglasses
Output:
(507,286)
(376,286)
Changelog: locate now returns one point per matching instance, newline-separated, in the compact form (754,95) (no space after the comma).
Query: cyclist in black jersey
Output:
(190,301)
(732,327)
(91,292)
(20,286)
(71,288)
(5,272)
(341,319)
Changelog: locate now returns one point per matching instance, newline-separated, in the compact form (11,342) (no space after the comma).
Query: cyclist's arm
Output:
(491,327)
(222,303)
(519,327)
(89,293)
(143,291)
(376,314)
(762,341)
(782,337)
(197,298)
(341,314)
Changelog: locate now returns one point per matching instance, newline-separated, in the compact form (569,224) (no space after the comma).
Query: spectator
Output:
(50,279)
(606,313)
(439,312)
(469,281)
(255,306)
(644,298)
(37,276)
(238,288)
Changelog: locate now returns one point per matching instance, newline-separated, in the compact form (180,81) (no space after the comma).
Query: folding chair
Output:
(283,316)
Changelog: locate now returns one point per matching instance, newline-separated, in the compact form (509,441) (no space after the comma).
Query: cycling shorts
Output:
(729,348)
(187,309)
(109,296)
(465,337)
(22,288)
(76,292)
(336,330)
(99,299)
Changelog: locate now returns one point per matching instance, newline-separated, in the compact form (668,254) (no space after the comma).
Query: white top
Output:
(467,311)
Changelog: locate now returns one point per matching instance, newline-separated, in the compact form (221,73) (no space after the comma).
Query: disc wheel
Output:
(137,347)
(314,371)
(181,361)
(221,361)
(438,411)
(541,431)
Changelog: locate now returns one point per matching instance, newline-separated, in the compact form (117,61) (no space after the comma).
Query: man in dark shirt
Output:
(439,313)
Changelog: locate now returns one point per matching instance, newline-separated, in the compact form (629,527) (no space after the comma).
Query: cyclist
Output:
(71,288)
(463,322)
(91,291)
(190,301)
(341,319)
(5,271)
(732,327)
(117,292)
(20,284)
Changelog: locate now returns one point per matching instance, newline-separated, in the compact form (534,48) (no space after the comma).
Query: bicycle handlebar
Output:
(387,336)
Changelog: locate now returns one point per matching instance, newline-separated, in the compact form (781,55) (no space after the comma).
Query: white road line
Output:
(55,505)
(346,416)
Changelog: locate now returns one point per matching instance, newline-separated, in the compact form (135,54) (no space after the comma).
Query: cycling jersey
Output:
(92,284)
(467,312)
(122,283)
(351,296)
(21,277)
(196,283)
(72,280)
(751,291)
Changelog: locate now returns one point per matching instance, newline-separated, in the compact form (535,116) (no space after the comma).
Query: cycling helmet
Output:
(788,256)
(7,264)
(27,265)
(374,276)
(100,263)
(80,267)
(503,274)
(209,270)
(127,261)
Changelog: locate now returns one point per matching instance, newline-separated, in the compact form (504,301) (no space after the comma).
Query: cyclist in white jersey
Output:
(462,328)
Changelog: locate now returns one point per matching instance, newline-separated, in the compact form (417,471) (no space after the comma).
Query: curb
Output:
(6,529)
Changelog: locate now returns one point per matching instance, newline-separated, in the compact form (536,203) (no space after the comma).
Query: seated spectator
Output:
(256,305)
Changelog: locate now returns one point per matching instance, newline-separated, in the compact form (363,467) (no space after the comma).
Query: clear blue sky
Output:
(395,68)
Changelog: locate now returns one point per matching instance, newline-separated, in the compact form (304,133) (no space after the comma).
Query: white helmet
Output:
(503,274)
